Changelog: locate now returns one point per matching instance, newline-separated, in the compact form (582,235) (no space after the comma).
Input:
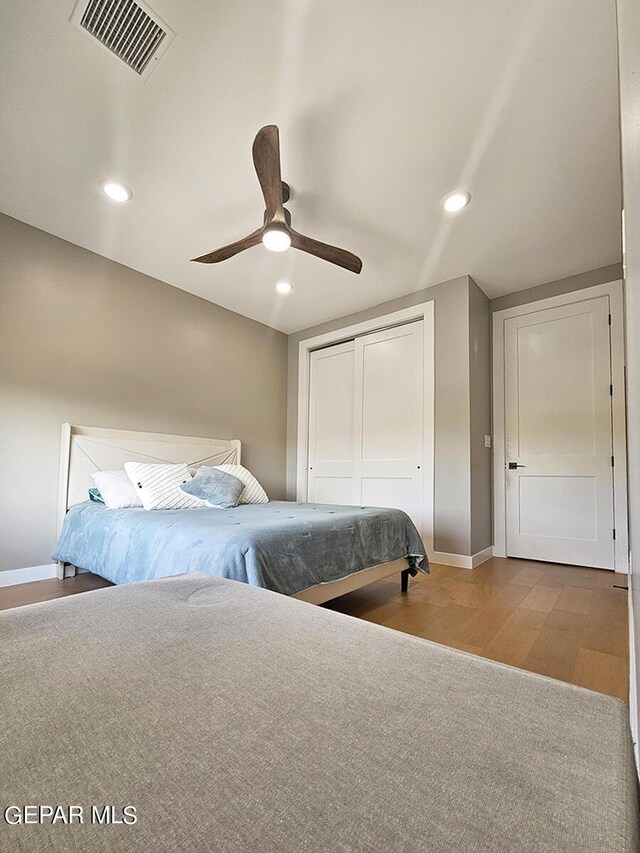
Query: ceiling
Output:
(382,107)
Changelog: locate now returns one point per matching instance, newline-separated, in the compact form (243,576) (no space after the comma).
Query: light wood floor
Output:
(568,623)
(32,593)
(565,622)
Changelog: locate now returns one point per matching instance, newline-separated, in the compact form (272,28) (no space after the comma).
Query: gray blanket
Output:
(281,545)
(239,721)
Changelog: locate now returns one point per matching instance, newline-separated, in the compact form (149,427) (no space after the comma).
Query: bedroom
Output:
(107,324)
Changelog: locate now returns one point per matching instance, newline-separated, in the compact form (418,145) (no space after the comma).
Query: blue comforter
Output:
(282,546)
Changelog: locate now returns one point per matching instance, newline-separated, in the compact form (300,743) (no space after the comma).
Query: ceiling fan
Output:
(276,232)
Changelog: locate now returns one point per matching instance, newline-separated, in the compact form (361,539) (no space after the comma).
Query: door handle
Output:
(514,465)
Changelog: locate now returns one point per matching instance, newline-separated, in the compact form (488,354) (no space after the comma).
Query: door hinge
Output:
(612,462)
(609,319)
(614,533)
(611,390)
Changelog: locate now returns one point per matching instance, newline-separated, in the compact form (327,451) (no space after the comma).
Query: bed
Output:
(233,719)
(312,551)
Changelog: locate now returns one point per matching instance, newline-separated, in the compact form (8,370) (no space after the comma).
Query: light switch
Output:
(487,441)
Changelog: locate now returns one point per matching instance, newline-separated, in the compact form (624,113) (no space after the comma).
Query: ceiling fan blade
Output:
(232,249)
(332,254)
(266,159)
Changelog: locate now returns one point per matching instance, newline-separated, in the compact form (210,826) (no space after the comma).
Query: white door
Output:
(366,421)
(559,498)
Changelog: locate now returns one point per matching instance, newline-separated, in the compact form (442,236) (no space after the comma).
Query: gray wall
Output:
(86,340)
(629,39)
(456,531)
(555,288)
(480,413)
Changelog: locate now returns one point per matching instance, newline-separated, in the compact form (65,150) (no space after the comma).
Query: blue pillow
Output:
(95,496)
(216,487)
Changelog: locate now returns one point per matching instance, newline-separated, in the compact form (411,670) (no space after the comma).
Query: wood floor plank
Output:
(384,612)
(468,594)
(479,628)
(542,598)
(574,599)
(438,572)
(418,621)
(515,639)
(467,647)
(564,620)
(569,575)
(606,628)
(437,626)
(602,672)
(499,570)
(609,579)
(48,590)
(554,653)
(438,594)
(530,575)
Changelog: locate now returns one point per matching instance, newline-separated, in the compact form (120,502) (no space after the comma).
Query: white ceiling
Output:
(383,108)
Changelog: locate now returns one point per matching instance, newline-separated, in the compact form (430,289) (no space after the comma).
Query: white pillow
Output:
(116,490)
(158,485)
(253,492)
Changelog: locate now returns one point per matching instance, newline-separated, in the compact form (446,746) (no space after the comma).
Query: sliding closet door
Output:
(331,425)
(366,427)
(388,419)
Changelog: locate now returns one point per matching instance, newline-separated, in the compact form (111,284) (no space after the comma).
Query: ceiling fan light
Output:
(276,239)
(456,201)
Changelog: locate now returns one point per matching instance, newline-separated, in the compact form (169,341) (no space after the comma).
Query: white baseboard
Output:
(482,557)
(32,573)
(461,561)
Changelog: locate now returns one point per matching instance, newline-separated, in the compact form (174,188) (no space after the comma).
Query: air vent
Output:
(129,30)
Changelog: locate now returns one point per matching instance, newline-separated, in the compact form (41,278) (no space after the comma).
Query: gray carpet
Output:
(237,720)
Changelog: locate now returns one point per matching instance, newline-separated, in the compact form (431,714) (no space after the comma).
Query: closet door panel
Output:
(333,490)
(389,419)
(395,492)
(331,425)
(388,384)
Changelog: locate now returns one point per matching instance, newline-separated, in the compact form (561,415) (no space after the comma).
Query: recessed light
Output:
(116,191)
(276,239)
(284,287)
(456,201)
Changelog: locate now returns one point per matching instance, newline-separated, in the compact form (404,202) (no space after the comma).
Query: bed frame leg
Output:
(404,580)
(65,570)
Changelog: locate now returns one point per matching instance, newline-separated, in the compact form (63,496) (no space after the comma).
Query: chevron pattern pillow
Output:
(253,492)
(158,485)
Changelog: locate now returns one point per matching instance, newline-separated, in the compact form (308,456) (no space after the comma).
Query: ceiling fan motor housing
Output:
(287,217)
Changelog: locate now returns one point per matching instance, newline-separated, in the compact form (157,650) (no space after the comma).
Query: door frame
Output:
(424,312)
(613,290)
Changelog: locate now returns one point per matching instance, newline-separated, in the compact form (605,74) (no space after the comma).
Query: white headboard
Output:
(85,450)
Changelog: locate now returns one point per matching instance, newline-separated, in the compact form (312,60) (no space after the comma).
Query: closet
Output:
(366,421)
